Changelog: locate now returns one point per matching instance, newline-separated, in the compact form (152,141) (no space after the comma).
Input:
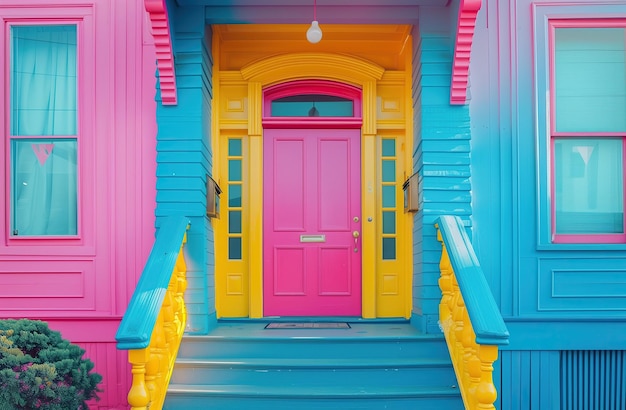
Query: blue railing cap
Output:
(482,309)
(136,327)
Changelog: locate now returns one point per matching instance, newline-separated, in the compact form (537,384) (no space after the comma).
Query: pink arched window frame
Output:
(303,87)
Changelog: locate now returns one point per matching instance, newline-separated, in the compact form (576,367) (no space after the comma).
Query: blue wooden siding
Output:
(561,379)
(441,156)
(529,380)
(553,297)
(184,158)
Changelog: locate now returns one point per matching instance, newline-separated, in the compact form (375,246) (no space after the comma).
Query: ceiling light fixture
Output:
(314,33)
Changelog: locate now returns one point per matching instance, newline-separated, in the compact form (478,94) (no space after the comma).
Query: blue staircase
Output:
(243,365)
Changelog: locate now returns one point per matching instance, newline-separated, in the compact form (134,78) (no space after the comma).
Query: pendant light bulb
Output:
(314,33)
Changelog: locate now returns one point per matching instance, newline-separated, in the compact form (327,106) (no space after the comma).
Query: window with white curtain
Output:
(44,136)
(588,130)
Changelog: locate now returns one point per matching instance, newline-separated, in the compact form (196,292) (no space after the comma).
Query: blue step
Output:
(369,366)
(393,341)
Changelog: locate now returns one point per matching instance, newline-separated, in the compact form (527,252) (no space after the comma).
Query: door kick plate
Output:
(312,238)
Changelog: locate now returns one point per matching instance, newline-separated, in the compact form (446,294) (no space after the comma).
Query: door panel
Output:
(312,263)
(289,183)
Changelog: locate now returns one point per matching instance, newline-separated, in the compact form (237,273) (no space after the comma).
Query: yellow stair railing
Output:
(154,323)
(468,316)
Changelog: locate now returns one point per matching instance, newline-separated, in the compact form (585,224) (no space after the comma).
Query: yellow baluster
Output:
(138,395)
(169,318)
(181,275)
(466,352)
(457,316)
(152,368)
(445,284)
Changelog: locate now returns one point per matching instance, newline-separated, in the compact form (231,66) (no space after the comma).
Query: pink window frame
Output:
(619,238)
(82,18)
(324,87)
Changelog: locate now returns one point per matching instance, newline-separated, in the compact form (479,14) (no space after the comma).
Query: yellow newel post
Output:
(138,396)
(486,393)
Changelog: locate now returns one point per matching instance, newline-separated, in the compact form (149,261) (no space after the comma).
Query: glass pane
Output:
(590,76)
(234,248)
(234,147)
(389,222)
(234,170)
(234,196)
(589,185)
(43,80)
(389,248)
(389,148)
(389,196)
(312,105)
(389,170)
(234,222)
(43,187)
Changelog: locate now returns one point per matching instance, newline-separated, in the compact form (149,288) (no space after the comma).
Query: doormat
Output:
(307,325)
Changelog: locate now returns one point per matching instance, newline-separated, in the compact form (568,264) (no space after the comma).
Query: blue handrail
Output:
(141,315)
(483,312)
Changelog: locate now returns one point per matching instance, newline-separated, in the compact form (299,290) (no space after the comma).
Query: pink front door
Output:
(311,215)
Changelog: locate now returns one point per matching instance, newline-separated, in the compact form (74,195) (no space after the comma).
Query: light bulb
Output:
(314,34)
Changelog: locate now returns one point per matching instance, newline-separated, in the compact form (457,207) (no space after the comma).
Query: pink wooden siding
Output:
(82,286)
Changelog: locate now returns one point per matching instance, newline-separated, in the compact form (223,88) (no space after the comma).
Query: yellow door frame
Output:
(237,110)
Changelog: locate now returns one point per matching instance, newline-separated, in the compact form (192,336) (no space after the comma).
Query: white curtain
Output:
(43,121)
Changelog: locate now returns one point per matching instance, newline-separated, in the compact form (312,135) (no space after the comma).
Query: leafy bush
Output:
(41,370)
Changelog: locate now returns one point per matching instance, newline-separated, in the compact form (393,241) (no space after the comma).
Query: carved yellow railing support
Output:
(154,323)
(472,356)
(138,396)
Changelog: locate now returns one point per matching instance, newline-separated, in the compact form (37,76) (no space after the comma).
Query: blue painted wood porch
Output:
(371,365)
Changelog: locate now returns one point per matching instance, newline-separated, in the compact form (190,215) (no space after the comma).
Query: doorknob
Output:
(355,235)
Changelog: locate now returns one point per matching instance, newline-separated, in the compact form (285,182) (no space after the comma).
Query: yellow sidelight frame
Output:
(237,112)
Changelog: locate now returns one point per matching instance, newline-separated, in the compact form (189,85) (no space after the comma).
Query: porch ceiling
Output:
(301,11)
(242,44)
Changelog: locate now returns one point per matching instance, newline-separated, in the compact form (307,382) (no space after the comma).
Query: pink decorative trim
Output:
(312,122)
(468,9)
(163,44)
(312,87)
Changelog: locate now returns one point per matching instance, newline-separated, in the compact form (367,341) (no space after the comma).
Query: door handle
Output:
(355,235)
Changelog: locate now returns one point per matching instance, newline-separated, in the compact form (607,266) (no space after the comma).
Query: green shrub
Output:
(41,370)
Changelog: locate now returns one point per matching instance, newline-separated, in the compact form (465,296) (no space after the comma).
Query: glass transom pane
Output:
(312,105)
(43,187)
(43,80)
(590,79)
(589,185)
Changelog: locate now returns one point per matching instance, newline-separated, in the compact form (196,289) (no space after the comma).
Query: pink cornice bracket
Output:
(157,11)
(468,9)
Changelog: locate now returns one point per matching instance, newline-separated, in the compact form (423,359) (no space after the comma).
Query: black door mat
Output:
(307,325)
